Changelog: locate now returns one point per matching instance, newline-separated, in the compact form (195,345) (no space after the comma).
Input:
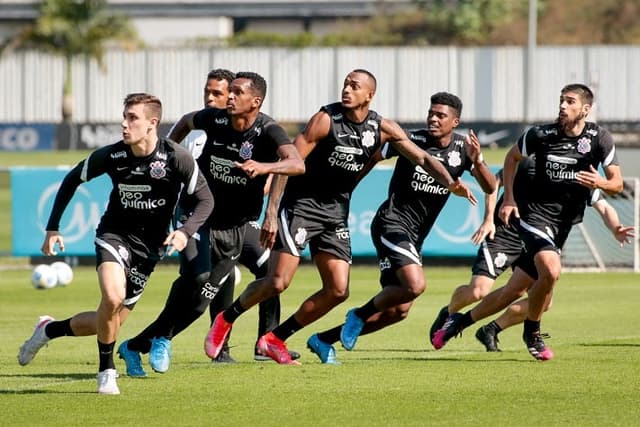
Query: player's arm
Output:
(182,127)
(610,218)
(392,133)
(480,170)
(195,185)
(488,227)
(611,183)
(509,207)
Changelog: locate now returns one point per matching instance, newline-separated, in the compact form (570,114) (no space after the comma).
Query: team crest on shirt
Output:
(453,158)
(157,169)
(500,260)
(123,252)
(368,138)
(301,236)
(246,150)
(584,145)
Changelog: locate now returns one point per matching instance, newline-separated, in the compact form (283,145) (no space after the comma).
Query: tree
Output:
(72,28)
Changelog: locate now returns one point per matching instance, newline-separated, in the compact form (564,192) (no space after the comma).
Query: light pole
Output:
(530,58)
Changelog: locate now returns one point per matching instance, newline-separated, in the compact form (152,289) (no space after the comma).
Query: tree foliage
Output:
(71,28)
(477,23)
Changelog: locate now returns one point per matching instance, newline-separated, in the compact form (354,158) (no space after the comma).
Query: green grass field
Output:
(393,377)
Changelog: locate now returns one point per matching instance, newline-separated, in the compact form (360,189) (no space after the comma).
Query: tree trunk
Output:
(67,95)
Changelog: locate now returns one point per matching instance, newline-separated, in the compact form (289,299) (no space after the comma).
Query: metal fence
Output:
(490,81)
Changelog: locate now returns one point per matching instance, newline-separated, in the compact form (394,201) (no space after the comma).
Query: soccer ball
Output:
(44,277)
(63,271)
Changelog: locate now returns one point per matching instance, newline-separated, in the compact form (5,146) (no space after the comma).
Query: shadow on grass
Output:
(610,344)
(55,380)
(433,356)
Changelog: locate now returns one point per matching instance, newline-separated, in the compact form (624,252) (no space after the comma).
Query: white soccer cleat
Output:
(38,339)
(107,382)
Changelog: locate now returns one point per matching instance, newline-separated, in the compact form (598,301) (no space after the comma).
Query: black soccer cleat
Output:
(536,346)
(488,337)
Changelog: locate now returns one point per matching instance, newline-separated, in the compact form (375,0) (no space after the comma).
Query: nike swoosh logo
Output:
(342,135)
(235,257)
(218,143)
(121,168)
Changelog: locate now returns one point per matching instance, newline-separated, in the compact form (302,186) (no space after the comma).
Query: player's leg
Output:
(281,270)
(494,256)
(401,277)
(111,276)
(222,300)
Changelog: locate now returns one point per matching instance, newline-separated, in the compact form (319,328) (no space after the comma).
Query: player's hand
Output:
(508,210)
(459,189)
(472,146)
(176,241)
(252,168)
(50,240)
(590,179)
(485,229)
(268,232)
(625,234)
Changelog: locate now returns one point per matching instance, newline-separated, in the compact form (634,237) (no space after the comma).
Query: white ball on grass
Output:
(64,272)
(44,276)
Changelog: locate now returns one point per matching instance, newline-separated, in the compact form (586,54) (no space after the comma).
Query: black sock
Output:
(139,344)
(233,312)
(531,326)
(331,336)
(466,320)
(106,356)
(59,328)
(287,328)
(367,310)
(493,325)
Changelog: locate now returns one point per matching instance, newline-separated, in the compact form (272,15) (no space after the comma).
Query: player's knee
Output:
(278,284)
(414,292)
(400,314)
(338,295)
(111,303)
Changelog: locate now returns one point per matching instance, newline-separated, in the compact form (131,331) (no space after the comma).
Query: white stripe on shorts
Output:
(400,250)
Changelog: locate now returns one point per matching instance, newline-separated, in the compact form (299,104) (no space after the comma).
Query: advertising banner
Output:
(26,137)
(33,191)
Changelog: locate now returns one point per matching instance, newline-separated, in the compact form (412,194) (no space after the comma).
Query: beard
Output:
(567,123)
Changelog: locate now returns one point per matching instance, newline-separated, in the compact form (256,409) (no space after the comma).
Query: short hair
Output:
(258,83)
(586,94)
(152,105)
(221,74)
(446,98)
(368,73)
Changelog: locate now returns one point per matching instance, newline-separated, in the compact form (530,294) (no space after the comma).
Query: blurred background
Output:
(66,65)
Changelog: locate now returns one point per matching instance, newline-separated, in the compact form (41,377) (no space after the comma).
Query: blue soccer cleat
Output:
(351,330)
(325,352)
(160,354)
(131,360)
